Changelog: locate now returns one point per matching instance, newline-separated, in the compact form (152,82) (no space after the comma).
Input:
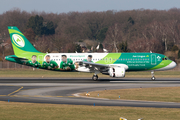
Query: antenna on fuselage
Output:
(150,51)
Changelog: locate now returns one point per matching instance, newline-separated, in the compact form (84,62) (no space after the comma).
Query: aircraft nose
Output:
(173,64)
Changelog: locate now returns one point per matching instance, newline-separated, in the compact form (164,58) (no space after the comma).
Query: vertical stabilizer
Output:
(19,42)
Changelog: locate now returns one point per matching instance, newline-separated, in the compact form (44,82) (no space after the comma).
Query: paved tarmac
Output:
(66,90)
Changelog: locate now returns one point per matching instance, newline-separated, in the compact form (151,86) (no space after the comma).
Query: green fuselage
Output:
(133,61)
(141,61)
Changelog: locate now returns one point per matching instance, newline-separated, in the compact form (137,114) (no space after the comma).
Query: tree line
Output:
(118,31)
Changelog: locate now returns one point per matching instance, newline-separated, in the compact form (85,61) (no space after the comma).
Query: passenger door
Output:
(153,59)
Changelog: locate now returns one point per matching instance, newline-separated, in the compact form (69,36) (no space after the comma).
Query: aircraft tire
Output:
(153,78)
(95,77)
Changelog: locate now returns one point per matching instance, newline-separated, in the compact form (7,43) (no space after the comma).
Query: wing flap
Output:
(103,66)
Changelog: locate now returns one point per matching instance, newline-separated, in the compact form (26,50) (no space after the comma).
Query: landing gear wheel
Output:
(153,78)
(95,77)
(152,73)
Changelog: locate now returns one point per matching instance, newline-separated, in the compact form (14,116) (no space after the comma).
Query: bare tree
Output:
(172,28)
(113,36)
(146,45)
(157,30)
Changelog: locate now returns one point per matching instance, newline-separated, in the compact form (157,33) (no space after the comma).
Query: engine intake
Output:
(118,72)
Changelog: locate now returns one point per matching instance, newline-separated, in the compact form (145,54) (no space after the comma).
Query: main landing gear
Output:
(152,74)
(95,77)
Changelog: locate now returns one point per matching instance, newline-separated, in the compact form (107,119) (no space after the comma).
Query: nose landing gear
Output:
(152,74)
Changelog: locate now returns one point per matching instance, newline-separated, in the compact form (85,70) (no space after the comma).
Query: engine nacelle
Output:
(117,72)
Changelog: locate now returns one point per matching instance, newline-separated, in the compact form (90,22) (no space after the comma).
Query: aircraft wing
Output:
(95,64)
(102,67)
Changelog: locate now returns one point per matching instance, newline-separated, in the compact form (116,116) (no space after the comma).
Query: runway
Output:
(65,91)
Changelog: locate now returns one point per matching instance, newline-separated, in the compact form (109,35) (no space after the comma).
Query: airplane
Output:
(112,64)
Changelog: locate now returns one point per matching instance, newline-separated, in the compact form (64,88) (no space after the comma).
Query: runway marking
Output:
(37,96)
(8,85)
(142,81)
(3,95)
(21,87)
(77,95)
(15,91)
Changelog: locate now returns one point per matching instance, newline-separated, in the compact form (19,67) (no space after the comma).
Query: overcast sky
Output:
(60,6)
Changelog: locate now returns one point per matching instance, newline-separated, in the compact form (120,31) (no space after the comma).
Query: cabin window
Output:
(165,58)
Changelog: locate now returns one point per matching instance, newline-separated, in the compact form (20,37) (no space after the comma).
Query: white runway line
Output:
(142,81)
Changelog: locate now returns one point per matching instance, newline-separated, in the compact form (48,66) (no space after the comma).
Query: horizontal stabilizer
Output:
(19,58)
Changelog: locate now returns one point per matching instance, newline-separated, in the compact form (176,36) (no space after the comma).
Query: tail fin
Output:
(19,42)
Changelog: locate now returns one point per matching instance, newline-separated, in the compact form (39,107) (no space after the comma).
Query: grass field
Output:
(44,73)
(166,94)
(31,111)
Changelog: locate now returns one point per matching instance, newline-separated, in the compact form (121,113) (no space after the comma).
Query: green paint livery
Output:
(24,50)
(109,58)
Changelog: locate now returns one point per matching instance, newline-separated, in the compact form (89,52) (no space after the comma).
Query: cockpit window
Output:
(165,58)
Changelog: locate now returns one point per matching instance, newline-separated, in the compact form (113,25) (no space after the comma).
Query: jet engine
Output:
(118,72)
